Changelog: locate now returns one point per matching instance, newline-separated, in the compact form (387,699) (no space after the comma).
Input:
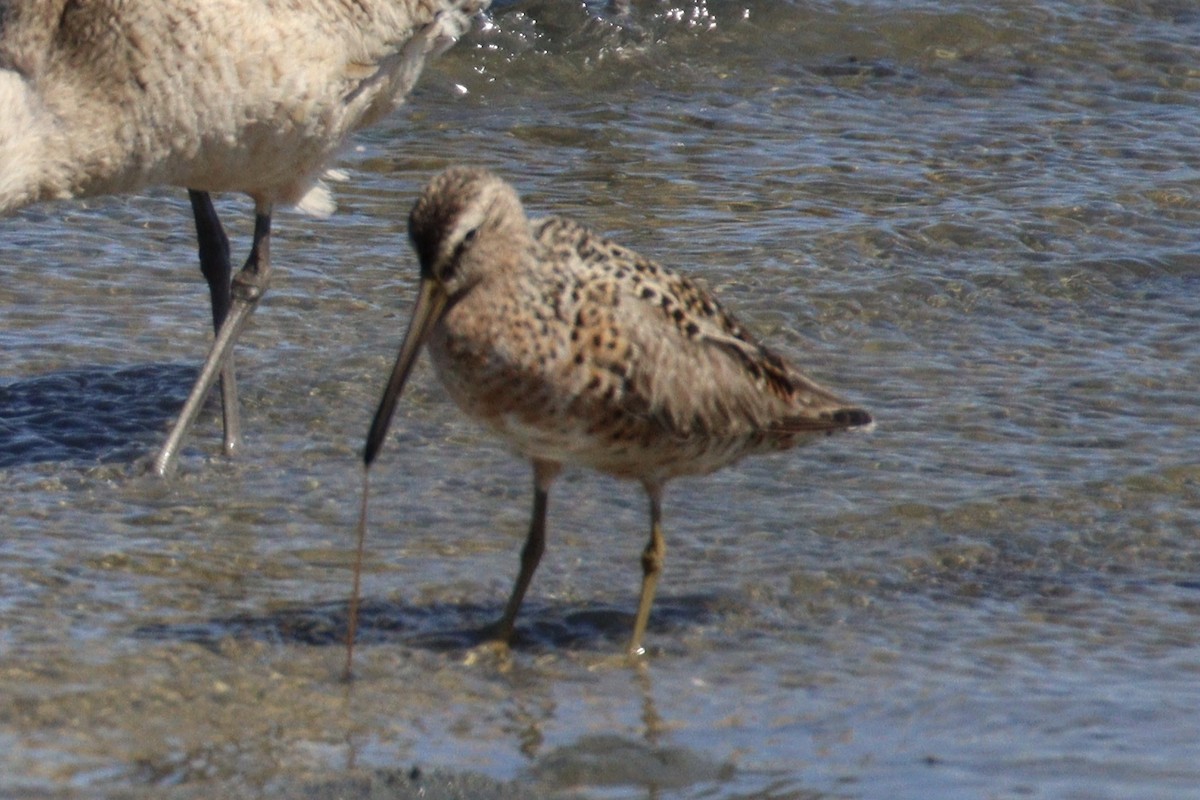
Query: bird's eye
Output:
(463,245)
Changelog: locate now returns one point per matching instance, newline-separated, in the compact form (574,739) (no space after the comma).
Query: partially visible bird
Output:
(578,351)
(253,96)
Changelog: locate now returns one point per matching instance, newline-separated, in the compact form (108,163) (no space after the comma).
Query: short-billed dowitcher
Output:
(579,351)
(108,97)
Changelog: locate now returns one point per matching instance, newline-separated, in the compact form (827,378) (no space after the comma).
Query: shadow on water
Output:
(89,414)
(444,627)
(643,760)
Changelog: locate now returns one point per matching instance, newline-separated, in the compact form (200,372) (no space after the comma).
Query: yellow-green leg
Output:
(652,562)
(544,473)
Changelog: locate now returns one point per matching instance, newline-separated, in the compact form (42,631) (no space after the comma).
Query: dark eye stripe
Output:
(452,263)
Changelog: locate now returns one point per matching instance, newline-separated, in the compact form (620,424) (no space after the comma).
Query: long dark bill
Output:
(431,303)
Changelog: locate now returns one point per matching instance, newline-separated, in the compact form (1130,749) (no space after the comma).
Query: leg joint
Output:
(246,289)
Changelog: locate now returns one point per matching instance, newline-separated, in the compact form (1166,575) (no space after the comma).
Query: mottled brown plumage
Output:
(577,350)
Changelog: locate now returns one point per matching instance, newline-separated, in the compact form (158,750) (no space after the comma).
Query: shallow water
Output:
(978,220)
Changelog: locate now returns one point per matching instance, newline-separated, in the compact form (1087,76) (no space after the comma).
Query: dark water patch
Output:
(94,414)
(445,627)
(854,67)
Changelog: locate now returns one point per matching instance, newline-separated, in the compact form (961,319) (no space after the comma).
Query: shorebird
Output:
(106,96)
(578,351)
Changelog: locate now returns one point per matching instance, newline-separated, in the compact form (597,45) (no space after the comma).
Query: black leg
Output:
(217,270)
(214,254)
(247,289)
